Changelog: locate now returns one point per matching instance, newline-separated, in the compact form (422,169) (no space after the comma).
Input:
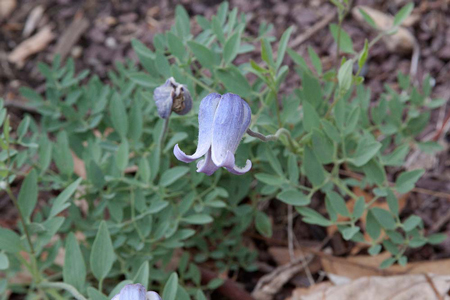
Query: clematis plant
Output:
(136,292)
(223,121)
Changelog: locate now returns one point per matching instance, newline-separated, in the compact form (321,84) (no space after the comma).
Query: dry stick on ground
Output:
(312,30)
(70,37)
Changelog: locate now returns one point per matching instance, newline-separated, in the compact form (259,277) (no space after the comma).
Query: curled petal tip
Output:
(229,164)
(153,296)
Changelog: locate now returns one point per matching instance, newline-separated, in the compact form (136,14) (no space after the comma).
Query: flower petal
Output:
(133,292)
(233,116)
(206,165)
(163,96)
(229,164)
(205,120)
(153,296)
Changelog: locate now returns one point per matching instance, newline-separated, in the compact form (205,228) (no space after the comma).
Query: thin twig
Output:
(312,30)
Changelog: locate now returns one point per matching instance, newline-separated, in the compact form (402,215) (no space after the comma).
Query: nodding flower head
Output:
(172,96)
(223,120)
(135,292)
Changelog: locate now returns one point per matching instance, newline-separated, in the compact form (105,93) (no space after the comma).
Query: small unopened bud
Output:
(172,96)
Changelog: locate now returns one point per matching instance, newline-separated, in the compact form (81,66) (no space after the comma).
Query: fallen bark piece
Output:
(33,19)
(71,36)
(269,285)
(401,41)
(34,44)
(6,8)
(403,287)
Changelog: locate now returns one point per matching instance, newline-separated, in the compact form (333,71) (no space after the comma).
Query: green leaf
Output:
(198,219)
(312,217)
(263,224)
(119,116)
(293,168)
(95,294)
(60,202)
(313,168)
(345,41)
(293,197)
(352,120)
(170,289)
(74,269)
(368,18)
(270,179)
(282,46)
(315,60)
(273,161)
(62,154)
(143,79)
(323,147)
(217,29)
(349,232)
(372,226)
(45,154)
(364,54)
(162,65)
(144,169)
(122,155)
(23,127)
(234,81)
(411,223)
(230,50)
(367,148)
(331,131)
(176,46)
(298,59)
(338,203)
(311,119)
(387,263)
(312,91)
(437,238)
(28,194)
(392,202)
(10,241)
(203,54)
(403,14)
(182,22)
(143,274)
(374,250)
(102,253)
(406,181)
(375,172)
(215,283)
(266,52)
(345,76)
(384,218)
(172,175)
(4,262)
(359,207)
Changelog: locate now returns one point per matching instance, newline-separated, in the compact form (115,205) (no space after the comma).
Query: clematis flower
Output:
(172,96)
(223,120)
(135,292)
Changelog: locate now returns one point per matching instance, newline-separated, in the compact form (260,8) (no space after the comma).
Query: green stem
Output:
(344,187)
(194,79)
(64,286)
(34,267)
(164,133)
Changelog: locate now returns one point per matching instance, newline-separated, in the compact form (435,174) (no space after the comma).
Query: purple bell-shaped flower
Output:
(223,120)
(136,292)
